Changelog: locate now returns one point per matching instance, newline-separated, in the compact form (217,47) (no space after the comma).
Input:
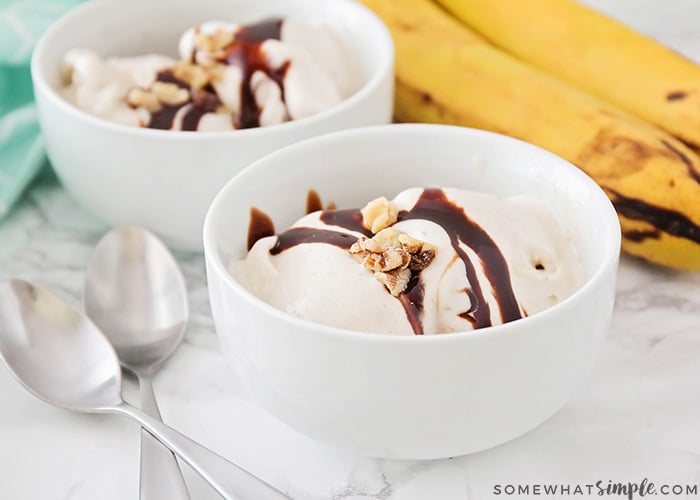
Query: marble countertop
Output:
(637,416)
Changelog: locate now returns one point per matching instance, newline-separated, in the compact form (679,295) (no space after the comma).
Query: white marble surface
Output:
(637,416)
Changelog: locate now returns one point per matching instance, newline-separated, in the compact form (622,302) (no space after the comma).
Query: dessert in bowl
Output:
(112,74)
(430,261)
(403,395)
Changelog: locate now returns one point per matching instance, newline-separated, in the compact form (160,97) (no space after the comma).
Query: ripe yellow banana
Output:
(596,53)
(448,74)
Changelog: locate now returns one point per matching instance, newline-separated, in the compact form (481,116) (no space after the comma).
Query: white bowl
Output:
(411,397)
(165,180)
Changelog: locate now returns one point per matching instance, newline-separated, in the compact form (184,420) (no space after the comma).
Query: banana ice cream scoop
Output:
(228,77)
(429,261)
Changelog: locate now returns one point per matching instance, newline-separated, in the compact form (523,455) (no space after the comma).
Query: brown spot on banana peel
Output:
(677,95)
(427,99)
(616,155)
(403,26)
(639,236)
(619,156)
(684,158)
(669,221)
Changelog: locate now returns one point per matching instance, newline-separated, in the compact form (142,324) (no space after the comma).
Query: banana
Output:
(596,53)
(447,74)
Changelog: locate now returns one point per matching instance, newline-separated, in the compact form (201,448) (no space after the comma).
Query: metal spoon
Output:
(135,293)
(60,356)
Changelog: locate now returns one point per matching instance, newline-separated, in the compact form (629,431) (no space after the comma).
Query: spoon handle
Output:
(160,475)
(229,480)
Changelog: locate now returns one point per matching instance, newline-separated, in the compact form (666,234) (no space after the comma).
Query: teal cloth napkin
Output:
(21,151)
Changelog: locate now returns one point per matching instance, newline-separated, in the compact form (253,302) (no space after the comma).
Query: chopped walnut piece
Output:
(193,75)
(387,260)
(215,42)
(216,72)
(421,260)
(140,98)
(169,93)
(422,254)
(379,214)
(365,245)
(388,237)
(392,255)
(396,282)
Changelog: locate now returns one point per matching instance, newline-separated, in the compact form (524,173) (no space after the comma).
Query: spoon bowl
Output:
(54,351)
(134,291)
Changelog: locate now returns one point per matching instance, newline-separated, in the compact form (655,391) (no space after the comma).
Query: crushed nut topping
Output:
(159,94)
(194,75)
(140,98)
(392,255)
(379,214)
(396,282)
(422,254)
(169,93)
(213,43)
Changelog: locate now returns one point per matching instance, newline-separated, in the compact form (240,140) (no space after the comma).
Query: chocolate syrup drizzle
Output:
(163,119)
(298,235)
(313,202)
(433,205)
(350,219)
(200,103)
(246,53)
(412,301)
(260,226)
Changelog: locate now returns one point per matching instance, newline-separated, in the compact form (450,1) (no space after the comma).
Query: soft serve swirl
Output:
(228,77)
(474,260)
